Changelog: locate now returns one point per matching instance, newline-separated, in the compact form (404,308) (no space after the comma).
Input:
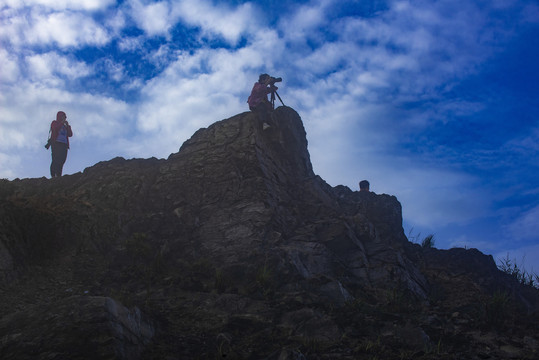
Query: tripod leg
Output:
(276,93)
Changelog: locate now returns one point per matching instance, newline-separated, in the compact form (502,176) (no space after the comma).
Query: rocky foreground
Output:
(233,248)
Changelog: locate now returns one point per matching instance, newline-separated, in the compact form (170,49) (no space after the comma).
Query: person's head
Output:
(364,185)
(263,78)
(61,116)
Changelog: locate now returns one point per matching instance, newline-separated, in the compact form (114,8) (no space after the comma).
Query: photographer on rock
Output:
(258,100)
(59,142)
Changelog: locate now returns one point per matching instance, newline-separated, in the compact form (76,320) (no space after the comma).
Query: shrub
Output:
(497,310)
(428,241)
(524,277)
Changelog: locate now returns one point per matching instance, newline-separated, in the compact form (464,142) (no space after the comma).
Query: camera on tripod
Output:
(274,80)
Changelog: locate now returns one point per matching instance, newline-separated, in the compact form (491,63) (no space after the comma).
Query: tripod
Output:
(273,93)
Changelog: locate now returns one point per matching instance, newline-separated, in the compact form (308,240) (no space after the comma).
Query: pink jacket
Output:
(259,93)
(55,129)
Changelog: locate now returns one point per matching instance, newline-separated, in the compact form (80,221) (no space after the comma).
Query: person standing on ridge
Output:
(59,142)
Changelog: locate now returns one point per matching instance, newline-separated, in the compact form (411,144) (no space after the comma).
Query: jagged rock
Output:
(234,247)
(78,327)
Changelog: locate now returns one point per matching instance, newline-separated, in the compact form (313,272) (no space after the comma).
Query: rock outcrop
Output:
(76,327)
(233,247)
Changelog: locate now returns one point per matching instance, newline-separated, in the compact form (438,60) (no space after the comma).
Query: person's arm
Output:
(68,128)
(271,88)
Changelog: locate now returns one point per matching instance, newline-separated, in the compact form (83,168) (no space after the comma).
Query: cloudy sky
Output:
(434,101)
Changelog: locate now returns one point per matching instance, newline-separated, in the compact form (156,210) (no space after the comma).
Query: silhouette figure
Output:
(364,186)
(258,100)
(59,143)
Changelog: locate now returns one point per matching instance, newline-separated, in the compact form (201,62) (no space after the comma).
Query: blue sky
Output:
(435,102)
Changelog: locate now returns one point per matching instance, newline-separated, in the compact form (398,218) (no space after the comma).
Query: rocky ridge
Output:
(233,247)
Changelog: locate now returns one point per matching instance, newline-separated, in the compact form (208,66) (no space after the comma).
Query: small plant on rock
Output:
(428,242)
(497,309)
(524,277)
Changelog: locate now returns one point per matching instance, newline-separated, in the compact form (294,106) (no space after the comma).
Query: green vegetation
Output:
(434,349)
(497,310)
(399,300)
(371,346)
(313,345)
(428,242)
(524,277)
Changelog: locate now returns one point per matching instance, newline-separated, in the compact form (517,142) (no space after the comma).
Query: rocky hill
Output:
(233,248)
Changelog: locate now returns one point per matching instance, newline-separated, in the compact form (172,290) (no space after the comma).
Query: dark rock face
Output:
(234,248)
(78,327)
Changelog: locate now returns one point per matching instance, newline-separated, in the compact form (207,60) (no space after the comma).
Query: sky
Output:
(434,101)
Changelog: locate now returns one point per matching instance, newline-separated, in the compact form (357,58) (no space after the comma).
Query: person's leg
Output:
(59,156)
(263,111)
(62,156)
(266,110)
(54,160)
(267,106)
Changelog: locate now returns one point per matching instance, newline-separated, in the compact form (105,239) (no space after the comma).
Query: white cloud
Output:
(154,18)
(526,227)
(89,5)
(193,92)
(305,22)
(13,25)
(419,47)
(436,198)
(8,162)
(37,26)
(327,58)
(130,43)
(11,136)
(115,71)
(526,144)
(214,20)
(66,29)
(266,51)
(161,57)
(9,68)
(218,19)
(50,66)
(116,21)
